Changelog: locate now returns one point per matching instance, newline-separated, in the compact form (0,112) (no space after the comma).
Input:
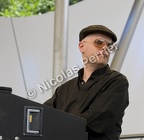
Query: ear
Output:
(81,46)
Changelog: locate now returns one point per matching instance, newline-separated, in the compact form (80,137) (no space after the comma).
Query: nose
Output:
(105,47)
(105,50)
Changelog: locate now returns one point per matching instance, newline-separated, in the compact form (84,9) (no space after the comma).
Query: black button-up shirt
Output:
(101,101)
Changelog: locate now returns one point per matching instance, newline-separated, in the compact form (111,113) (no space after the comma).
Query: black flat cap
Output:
(92,29)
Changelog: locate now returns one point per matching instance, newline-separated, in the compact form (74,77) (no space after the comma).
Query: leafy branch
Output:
(22,8)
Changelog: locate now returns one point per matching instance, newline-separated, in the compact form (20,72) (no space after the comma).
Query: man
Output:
(98,94)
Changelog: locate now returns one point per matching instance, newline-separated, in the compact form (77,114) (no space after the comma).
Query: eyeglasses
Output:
(100,43)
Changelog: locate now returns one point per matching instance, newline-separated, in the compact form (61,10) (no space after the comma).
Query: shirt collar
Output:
(96,73)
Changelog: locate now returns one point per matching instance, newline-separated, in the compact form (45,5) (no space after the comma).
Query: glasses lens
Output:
(99,43)
(112,48)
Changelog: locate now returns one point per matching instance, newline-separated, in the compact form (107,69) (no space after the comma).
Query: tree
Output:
(22,8)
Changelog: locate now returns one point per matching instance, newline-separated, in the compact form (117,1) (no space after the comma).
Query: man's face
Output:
(94,49)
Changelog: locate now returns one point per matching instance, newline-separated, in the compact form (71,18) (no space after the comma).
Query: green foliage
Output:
(73,1)
(22,8)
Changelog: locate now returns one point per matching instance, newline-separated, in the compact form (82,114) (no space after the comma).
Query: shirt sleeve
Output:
(108,108)
(52,101)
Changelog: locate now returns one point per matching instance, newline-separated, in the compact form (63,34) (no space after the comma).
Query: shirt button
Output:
(82,82)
